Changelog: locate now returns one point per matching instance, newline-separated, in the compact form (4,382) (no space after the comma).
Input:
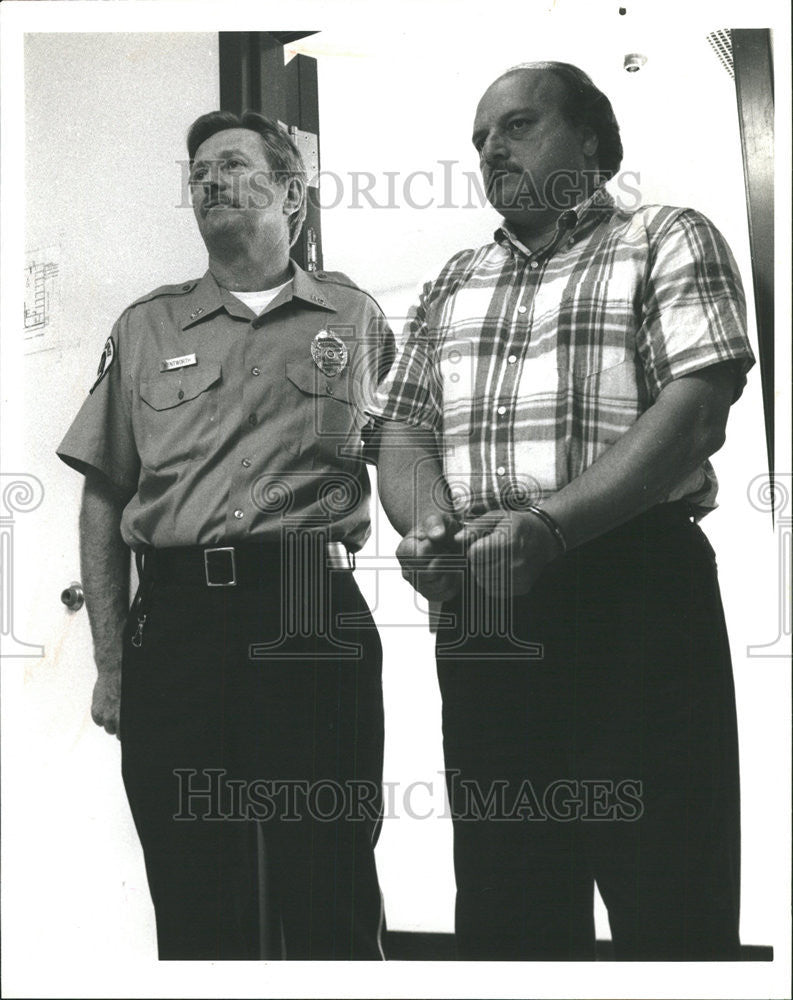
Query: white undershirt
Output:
(258,301)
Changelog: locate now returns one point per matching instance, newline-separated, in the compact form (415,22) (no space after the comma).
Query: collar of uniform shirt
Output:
(570,225)
(207,298)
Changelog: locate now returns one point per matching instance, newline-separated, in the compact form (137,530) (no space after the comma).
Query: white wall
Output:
(106,116)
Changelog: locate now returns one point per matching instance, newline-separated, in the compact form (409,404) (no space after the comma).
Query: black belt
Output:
(241,565)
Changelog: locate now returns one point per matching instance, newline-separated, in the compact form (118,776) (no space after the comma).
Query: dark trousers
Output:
(610,758)
(246,708)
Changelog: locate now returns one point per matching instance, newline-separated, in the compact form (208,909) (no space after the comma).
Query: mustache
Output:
(496,177)
(214,201)
(505,170)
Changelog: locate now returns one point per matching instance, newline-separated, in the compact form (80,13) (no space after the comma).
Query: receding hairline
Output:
(523,69)
(545,65)
(237,128)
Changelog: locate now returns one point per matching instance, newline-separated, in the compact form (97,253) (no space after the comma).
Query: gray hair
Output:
(283,155)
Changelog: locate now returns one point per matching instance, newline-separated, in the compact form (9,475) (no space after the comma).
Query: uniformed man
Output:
(222,436)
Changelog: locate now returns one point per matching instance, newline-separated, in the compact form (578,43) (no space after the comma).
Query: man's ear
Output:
(295,193)
(588,139)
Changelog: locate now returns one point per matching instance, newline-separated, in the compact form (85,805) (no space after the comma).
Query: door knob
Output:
(73,596)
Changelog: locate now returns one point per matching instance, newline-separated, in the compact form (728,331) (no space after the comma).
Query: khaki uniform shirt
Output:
(230,427)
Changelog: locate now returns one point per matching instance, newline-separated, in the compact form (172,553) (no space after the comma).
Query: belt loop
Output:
(351,560)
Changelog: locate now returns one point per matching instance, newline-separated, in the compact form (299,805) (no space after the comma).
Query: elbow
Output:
(710,425)
(710,434)
(714,437)
(715,392)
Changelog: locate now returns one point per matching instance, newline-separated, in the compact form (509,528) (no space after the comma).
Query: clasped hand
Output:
(505,552)
(106,703)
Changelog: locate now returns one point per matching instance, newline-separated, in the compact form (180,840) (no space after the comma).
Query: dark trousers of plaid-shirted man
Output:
(613,674)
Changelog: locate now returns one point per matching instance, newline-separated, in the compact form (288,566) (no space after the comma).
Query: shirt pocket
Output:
(328,416)
(600,378)
(598,366)
(596,362)
(177,416)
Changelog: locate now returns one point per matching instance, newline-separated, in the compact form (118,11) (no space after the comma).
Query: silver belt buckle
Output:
(230,564)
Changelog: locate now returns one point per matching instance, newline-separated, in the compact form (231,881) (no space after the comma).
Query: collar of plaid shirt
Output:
(571,223)
(529,365)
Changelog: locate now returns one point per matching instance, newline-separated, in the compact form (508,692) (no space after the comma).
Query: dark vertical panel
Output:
(252,70)
(754,89)
(303,89)
(234,49)
(302,110)
(252,73)
(271,83)
(253,77)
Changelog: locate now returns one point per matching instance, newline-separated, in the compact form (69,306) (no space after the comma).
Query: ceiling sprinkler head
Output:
(634,62)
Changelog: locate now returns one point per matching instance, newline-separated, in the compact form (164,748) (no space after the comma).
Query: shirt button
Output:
(252,420)
(246,463)
(180,394)
(501,411)
(511,359)
(534,265)
(329,388)
(238,514)
(256,371)
(521,309)
(500,470)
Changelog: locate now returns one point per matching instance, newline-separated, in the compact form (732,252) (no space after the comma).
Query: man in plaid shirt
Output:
(546,433)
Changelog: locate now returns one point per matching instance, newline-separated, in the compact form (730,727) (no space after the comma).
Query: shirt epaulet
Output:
(181,289)
(337,277)
(340,278)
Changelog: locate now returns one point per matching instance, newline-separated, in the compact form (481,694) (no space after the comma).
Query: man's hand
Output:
(507,550)
(430,557)
(106,702)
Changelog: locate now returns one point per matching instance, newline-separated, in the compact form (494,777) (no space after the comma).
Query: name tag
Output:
(185,361)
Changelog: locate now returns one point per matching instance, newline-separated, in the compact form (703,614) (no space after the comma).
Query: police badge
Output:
(329,353)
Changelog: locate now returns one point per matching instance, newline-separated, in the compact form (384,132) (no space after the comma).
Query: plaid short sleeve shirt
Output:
(528,366)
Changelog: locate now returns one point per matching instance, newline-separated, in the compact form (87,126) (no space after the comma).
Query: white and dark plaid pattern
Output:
(529,366)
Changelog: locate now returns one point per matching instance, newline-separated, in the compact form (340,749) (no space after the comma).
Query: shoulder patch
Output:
(107,359)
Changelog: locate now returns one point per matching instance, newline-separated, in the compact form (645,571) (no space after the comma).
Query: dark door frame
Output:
(754,91)
(253,77)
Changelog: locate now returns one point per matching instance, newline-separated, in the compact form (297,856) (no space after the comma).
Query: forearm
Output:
(668,442)
(409,475)
(104,562)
